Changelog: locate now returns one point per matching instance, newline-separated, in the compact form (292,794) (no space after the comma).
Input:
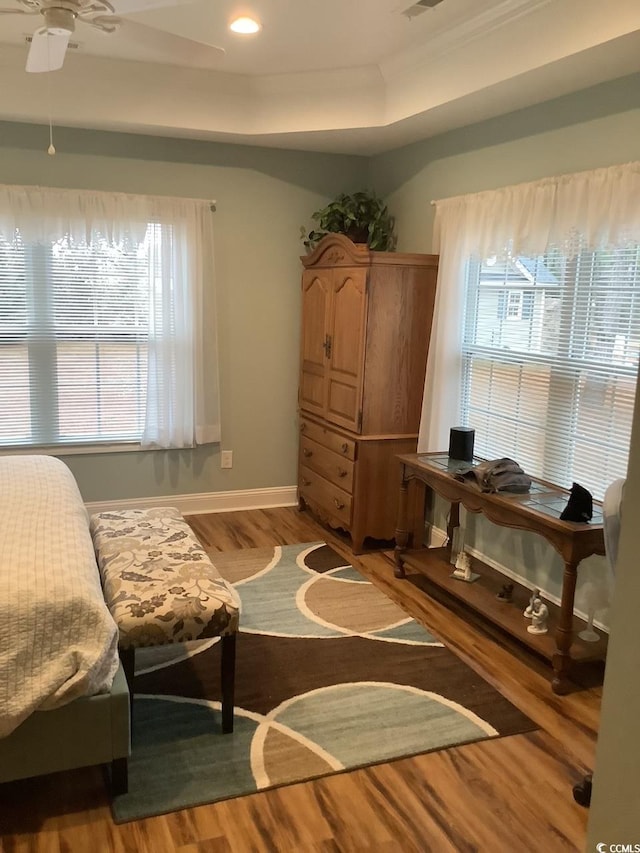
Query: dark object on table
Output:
(498,475)
(461,443)
(582,791)
(579,506)
(506,593)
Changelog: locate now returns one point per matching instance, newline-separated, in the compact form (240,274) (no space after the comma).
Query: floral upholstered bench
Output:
(161,587)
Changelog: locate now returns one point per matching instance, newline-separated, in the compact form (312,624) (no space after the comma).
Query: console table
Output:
(539,511)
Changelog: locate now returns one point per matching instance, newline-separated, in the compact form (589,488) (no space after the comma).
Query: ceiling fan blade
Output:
(176,50)
(47,50)
(29,8)
(130,7)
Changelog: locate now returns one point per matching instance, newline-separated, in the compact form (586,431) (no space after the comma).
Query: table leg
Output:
(420,504)
(454,519)
(402,529)
(455,534)
(564,631)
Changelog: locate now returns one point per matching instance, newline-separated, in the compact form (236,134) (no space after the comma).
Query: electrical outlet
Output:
(226,459)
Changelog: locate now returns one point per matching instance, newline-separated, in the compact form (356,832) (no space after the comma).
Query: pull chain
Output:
(51,149)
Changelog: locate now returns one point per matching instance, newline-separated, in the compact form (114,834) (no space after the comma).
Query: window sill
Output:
(75,449)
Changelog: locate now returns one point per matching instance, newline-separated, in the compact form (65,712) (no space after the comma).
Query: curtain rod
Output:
(554,179)
(212,202)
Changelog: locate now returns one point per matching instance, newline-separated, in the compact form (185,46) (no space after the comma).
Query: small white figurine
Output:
(463,567)
(534,595)
(539,618)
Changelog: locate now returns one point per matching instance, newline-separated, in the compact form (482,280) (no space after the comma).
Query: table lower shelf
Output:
(480,596)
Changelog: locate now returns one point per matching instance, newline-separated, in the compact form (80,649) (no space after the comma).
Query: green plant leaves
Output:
(356,215)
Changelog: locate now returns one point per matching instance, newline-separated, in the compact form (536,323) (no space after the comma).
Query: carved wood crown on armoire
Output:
(366,324)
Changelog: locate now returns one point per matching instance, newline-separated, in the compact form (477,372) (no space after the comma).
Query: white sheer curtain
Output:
(182,406)
(45,214)
(182,374)
(597,209)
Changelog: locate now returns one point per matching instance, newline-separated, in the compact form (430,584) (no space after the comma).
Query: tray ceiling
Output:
(333,75)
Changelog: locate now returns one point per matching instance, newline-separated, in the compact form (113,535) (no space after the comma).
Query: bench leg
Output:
(228,677)
(128,659)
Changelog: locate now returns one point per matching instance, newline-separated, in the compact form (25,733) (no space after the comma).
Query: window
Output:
(104,303)
(551,383)
(74,326)
(549,362)
(514,305)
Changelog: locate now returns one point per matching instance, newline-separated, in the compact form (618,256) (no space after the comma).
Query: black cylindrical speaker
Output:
(461,443)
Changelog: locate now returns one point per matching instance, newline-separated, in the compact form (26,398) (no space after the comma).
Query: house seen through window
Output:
(74,326)
(550,360)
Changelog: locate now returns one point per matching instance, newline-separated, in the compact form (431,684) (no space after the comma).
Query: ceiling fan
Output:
(49,43)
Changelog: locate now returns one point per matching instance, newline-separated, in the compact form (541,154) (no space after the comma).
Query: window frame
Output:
(42,358)
(571,370)
(513,303)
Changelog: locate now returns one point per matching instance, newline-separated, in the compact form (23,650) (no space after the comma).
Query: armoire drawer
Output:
(339,444)
(335,468)
(321,491)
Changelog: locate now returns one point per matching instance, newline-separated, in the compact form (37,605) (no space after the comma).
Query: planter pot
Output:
(358,235)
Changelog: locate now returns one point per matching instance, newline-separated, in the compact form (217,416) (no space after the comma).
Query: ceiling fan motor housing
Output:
(60,16)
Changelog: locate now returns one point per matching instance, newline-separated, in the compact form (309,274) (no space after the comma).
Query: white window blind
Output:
(107,319)
(550,360)
(74,324)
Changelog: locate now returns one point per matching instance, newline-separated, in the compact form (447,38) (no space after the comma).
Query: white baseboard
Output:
(196,504)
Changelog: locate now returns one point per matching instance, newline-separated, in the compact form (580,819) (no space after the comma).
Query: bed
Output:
(64,701)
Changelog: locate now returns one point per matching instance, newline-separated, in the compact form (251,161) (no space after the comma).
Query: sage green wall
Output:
(597,127)
(263,197)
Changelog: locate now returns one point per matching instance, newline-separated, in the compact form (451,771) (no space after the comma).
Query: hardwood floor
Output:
(512,793)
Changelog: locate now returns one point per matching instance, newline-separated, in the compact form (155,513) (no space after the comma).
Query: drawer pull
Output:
(305,482)
(345,447)
(303,426)
(338,503)
(307,452)
(342,472)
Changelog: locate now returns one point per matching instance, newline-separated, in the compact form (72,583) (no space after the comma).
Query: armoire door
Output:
(345,362)
(316,294)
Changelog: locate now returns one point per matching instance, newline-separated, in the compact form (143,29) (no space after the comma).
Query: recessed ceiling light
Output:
(245,26)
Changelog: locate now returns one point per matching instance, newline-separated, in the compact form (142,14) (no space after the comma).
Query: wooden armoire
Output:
(366,324)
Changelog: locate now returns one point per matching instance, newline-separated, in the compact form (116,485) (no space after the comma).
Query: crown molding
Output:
(458,35)
(489,65)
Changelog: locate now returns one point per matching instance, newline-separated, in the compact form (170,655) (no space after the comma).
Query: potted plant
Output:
(360,216)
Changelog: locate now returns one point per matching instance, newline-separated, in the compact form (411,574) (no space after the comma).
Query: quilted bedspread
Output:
(57,638)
